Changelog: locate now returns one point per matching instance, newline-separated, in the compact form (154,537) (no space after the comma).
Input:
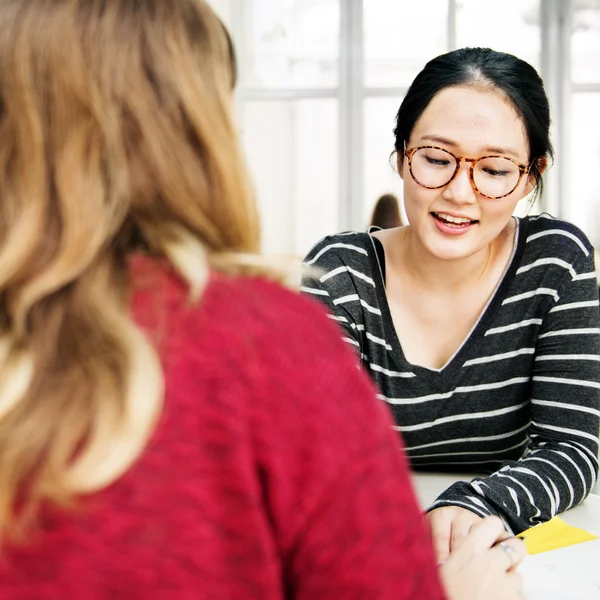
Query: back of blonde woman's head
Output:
(116,134)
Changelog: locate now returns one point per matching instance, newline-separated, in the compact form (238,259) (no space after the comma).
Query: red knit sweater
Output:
(273,472)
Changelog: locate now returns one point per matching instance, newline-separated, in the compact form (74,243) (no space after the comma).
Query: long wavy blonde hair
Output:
(116,133)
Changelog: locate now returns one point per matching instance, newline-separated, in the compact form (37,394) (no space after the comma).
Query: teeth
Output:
(451,219)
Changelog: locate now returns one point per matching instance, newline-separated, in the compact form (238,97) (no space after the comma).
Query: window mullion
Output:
(555,70)
(451,32)
(351,118)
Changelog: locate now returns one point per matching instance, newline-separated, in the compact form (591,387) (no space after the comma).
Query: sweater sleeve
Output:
(560,466)
(327,278)
(336,483)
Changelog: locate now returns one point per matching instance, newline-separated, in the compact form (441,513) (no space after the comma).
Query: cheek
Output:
(496,214)
(417,200)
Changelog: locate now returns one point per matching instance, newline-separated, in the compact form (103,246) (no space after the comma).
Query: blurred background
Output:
(321,82)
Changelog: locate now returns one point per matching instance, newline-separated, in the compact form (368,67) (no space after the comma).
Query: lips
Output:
(452,220)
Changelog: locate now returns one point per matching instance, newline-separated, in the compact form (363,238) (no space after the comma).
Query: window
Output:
(400,37)
(321,82)
(582,202)
(585,42)
(296,179)
(487,23)
(291,44)
(289,111)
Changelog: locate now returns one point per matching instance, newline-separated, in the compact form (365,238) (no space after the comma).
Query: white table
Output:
(558,575)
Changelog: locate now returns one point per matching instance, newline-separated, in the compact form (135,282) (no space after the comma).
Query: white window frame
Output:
(556,18)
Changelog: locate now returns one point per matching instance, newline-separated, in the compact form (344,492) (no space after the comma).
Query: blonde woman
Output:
(164,429)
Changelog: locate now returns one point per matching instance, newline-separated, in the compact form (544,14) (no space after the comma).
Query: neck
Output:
(452,275)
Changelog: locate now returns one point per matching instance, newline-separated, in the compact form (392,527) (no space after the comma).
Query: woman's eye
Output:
(440,162)
(495,173)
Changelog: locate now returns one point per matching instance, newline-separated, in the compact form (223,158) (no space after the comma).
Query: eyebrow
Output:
(493,149)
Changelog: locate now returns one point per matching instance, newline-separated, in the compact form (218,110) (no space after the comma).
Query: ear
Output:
(541,164)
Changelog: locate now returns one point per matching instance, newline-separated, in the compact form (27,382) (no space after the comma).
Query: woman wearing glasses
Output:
(479,328)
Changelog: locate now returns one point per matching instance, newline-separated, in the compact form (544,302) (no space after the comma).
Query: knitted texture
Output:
(273,472)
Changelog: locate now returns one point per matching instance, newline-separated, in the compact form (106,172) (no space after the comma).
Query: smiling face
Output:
(455,221)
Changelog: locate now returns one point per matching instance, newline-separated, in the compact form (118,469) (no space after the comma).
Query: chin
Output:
(452,251)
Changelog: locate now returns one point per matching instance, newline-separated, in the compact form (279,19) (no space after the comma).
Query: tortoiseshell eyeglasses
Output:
(491,176)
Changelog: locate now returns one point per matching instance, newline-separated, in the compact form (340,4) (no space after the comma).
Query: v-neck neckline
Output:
(455,362)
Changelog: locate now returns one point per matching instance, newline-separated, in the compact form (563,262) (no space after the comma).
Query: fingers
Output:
(481,567)
(486,532)
(461,526)
(514,551)
(450,526)
(512,586)
(441,544)
(441,527)
(488,573)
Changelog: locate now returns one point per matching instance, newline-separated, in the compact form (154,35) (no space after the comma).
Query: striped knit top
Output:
(518,402)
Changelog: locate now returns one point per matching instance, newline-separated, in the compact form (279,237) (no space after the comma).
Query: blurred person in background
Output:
(386,212)
(166,427)
(479,328)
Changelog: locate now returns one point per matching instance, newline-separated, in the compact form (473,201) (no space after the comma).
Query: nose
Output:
(460,189)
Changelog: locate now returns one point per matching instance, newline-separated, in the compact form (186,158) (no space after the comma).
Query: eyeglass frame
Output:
(523,169)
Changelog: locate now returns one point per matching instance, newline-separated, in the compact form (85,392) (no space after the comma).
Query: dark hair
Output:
(386,213)
(514,77)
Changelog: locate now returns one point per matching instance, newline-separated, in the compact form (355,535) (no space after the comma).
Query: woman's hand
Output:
(480,570)
(450,525)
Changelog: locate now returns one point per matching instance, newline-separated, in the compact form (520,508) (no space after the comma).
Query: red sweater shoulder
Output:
(273,472)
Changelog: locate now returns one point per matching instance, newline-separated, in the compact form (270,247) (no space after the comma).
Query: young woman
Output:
(480,329)
(163,425)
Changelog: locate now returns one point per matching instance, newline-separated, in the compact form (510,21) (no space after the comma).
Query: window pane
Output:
(379,171)
(292,150)
(400,37)
(291,43)
(582,204)
(585,43)
(511,26)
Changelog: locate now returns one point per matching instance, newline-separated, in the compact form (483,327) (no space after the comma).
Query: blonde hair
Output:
(116,134)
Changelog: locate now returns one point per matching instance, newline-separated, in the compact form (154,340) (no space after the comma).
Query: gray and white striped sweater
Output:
(519,400)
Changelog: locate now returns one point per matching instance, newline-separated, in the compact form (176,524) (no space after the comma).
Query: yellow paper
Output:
(552,535)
